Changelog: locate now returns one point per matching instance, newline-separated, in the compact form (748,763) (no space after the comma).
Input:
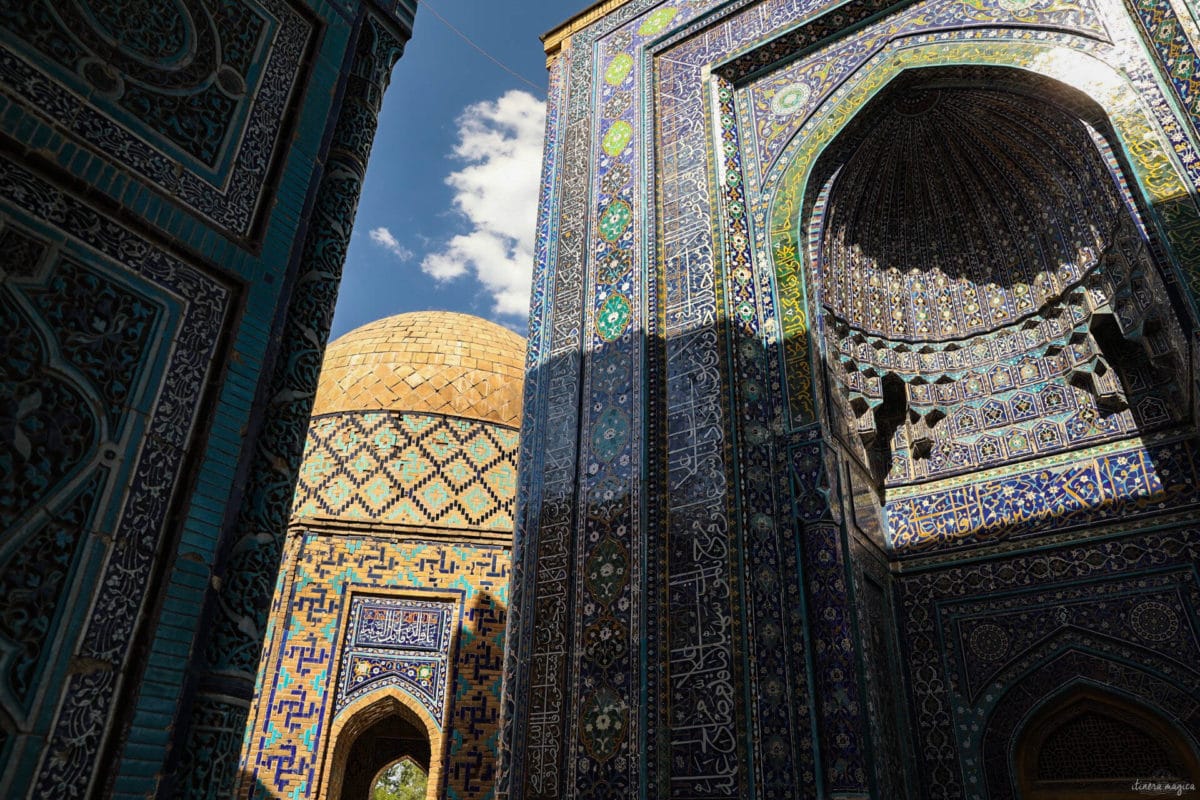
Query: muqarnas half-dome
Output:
(415,424)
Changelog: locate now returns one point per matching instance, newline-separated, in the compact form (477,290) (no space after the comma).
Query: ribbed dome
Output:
(435,362)
(960,210)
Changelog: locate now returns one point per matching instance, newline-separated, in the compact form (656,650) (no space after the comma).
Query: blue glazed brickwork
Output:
(416,469)
(391,601)
(239,608)
(151,236)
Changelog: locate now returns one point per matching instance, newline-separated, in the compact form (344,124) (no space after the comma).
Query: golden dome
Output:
(436,362)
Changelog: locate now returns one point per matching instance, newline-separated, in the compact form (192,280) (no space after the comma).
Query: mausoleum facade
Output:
(860,420)
(386,634)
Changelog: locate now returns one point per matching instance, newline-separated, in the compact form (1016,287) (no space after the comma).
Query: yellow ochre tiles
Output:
(435,362)
(414,424)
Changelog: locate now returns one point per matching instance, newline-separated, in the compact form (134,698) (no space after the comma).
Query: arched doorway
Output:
(372,736)
(1095,745)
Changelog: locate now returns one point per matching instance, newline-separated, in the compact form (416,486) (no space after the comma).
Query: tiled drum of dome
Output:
(412,469)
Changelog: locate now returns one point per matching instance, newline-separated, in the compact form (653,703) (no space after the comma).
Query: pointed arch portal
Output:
(1096,745)
(374,733)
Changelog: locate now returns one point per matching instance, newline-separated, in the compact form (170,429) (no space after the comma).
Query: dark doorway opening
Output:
(376,738)
(1095,745)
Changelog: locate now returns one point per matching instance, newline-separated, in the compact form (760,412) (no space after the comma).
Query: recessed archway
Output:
(987,290)
(372,734)
(1100,92)
(1094,745)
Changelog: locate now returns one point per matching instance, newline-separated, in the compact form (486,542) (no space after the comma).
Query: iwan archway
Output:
(992,332)
(1130,139)
(863,356)
(987,287)
(993,337)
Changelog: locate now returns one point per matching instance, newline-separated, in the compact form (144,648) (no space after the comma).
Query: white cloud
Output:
(497,194)
(384,238)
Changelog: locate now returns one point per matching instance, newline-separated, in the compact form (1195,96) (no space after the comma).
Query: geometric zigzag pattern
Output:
(409,469)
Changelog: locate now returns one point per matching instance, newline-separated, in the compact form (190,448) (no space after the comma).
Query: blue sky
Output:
(447,213)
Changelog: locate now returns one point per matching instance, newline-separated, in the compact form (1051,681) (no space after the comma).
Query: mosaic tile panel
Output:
(613,311)
(772,580)
(513,746)
(883,695)
(1165,700)
(603,734)
(330,582)
(414,469)
(744,299)
(1178,53)
(234,642)
(779,104)
(788,210)
(202,85)
(685,433)
(549,524)
(839,709)
(1088,489)
(675,190)
(1081,380)
(166,116)
(1177,47)
(85,310)
(909,284)
(397,642)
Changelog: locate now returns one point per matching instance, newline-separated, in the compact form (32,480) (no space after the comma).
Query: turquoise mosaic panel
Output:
(986,643)
(190,96)
(101,412)
(1118,483)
